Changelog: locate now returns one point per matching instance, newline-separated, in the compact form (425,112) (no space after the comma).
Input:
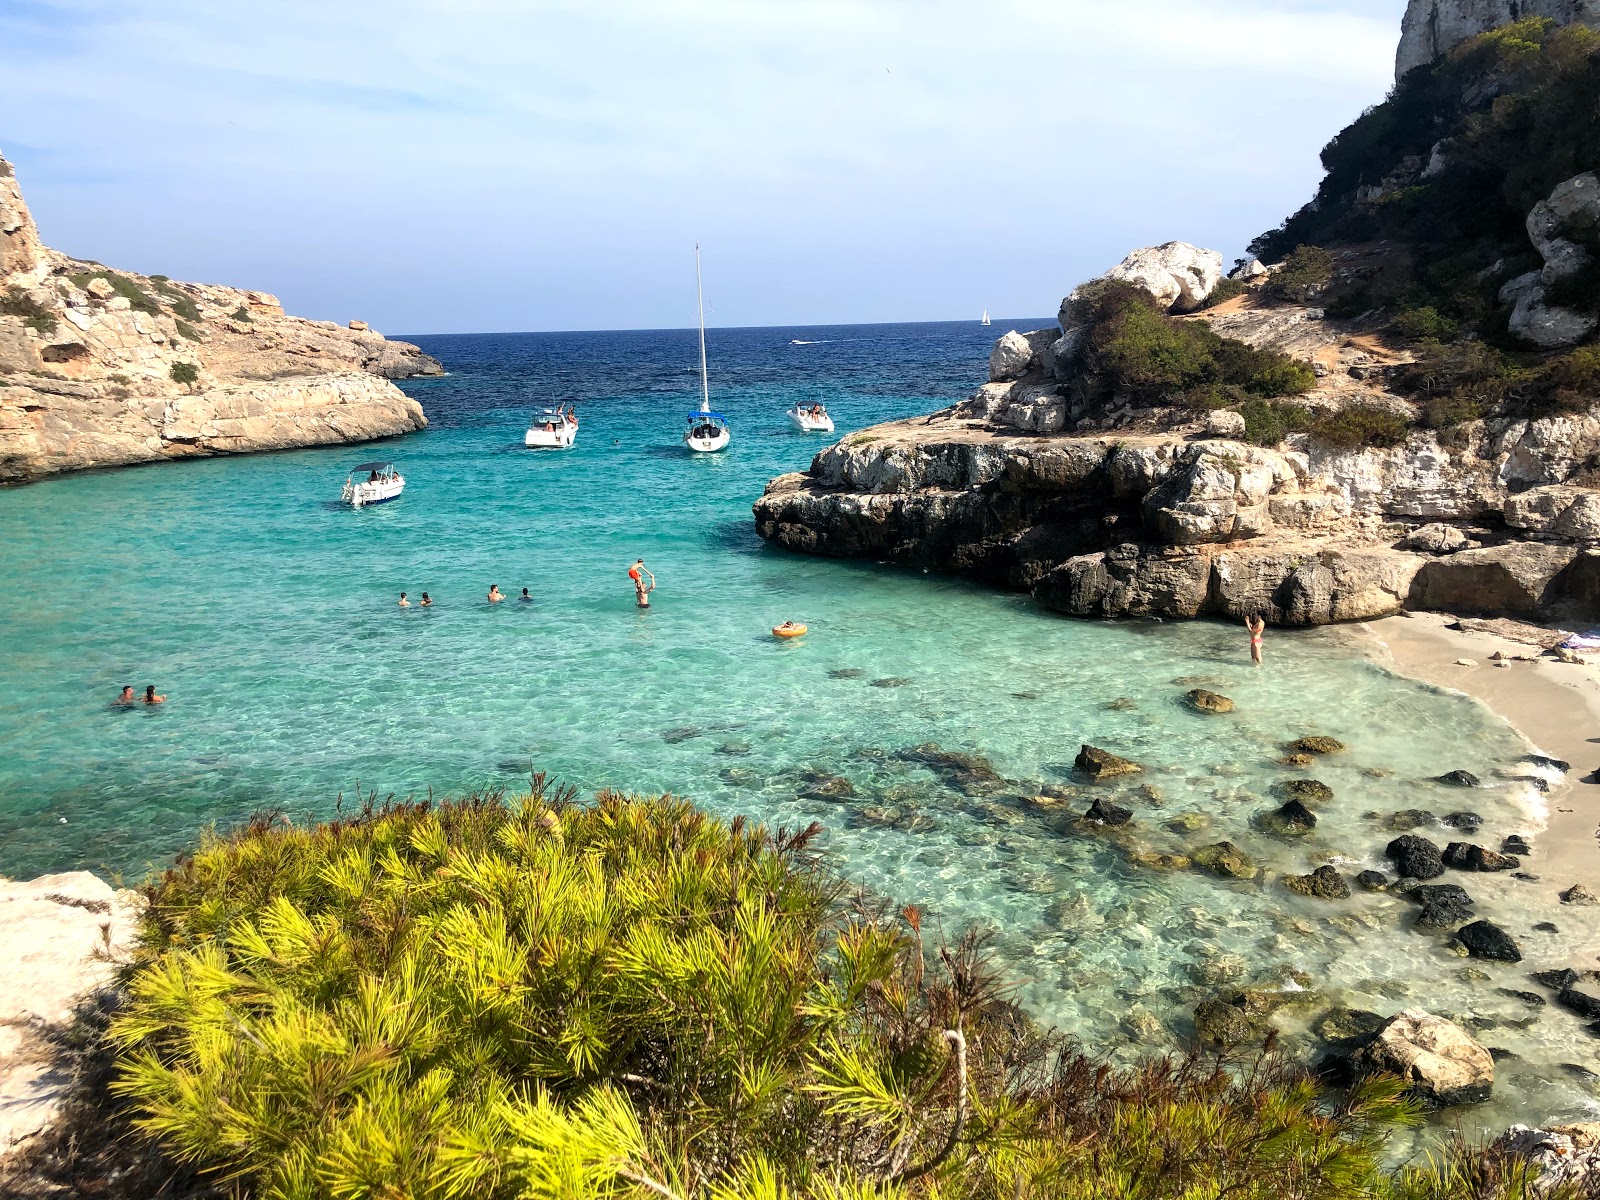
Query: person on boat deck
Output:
(495,594)
(427,601)
(372,477)
(150,696)
(525,598)
(403,602)
(127,694)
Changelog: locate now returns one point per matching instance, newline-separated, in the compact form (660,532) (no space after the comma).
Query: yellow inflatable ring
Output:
(789,629)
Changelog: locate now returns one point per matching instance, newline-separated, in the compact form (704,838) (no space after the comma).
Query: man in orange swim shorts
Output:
(640,591)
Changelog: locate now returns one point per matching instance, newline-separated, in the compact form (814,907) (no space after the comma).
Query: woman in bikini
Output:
(1257,627)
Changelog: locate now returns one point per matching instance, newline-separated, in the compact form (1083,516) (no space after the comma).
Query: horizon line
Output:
(692,328)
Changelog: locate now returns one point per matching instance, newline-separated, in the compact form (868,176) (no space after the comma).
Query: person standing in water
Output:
(1257,627)
(637,572)
(150,696)
(495,594)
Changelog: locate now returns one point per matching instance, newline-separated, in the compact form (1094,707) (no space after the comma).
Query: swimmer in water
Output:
(427,601)
(1257,627)
(150,696)
(127,694)
(495,594)
(404,603)
(525,598)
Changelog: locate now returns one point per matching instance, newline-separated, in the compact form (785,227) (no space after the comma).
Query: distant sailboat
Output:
(707,431)
(985,320)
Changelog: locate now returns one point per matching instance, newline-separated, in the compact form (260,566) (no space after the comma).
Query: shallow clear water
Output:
(266,612)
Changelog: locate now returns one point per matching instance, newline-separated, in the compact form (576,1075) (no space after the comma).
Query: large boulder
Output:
(1010,357)
(1573,203)
(1176,274)
(1102,764)
(1485,939)
(1519,577)
(1441,1061)
(1415,856)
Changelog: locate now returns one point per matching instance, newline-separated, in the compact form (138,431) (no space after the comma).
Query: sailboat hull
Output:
(707,444)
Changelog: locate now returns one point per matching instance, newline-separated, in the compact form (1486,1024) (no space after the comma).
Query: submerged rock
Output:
(1208,702)
(681,734)
(1188,823)
(1515,843)
(1297,760)
(1485,939)
(1557,980)
(734,749)
(1103,812)
(1373,881)
(1580,1002)
(1225,859)
(890,681)
(1444,905)
(1441,1061)
(1467,822)
(1415,856)
(820,785)
(1408,819)
(1464,856)
(1325,883)
(846,673)
(1579,894)
(1307,791)
(1316,744)
(970,774)
(1223,1024)
(1345,1025)
(1465,779)
(1292,819)
(1102,764)
(1157,861)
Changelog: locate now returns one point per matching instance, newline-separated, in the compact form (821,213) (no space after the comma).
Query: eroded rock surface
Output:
(1442,1062)
(88,358)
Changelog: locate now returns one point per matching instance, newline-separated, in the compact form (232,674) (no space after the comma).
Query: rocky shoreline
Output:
(102,368)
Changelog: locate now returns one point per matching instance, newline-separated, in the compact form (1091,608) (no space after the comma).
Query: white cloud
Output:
(495,165)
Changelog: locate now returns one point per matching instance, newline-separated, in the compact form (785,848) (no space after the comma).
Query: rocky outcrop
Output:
(1430,28)
(1565,1158)
(1176,274)
(63,935)
(1440,1060)
(103,368)
(1573,205)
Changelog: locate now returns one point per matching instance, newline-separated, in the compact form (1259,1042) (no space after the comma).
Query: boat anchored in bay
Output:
(707,431)
(552,429)
(810,418)
(382,482)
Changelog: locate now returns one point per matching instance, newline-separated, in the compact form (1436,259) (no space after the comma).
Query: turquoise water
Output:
(266,613)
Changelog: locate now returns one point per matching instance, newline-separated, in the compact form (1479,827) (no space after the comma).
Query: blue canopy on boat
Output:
(697,415)
(373,466)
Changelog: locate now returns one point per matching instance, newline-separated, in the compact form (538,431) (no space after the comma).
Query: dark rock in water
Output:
(1346,1025)
(1102,764)
(890,681)
(1546,927)
(1415,856)
(1219,1023)
(1544,762)
(515,766)
(1103,812)
(820,785)
(1208,702)
(1466,857)
(739,776)
(1501,1054)
(681,734)
(846,673)
(1443,906)
(1556,980)
(1437,893)
(1525,876)
(1150,794)
(1373,881)
(1325,883)
(1467,822)
(1307,791)
(969,774)
(1532,998)
(1581,1073)
(1408,819)
(1579,895)
(1515,844)
(1485,939)
(734,749)
(1297,760)
(1582,1003)
(1315,744)
(1291,818)
(1226,859)
(1024,695)
(1464,779)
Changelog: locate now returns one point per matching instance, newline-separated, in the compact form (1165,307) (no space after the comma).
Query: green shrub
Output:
(185,373)
(1361,426)
(184,308)
(186,331)
(628,999)
(138,299)
(1267,424)
(241,314)
(1425,324)
(16,302)
(1302,276)
(1227,288)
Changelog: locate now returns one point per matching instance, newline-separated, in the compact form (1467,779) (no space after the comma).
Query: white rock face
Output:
(1225,423)
(1436,1057)
(62,935)
(1567,1156)
(1431,27)
(1175,273)
(1010,357)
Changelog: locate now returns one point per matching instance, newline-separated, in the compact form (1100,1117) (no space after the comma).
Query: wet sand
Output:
(1555,705)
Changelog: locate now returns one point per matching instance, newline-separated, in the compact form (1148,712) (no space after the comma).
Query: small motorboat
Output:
(552,429)
(810,418)
(372,483)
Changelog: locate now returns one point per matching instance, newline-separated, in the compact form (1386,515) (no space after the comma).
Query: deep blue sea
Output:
(266,612)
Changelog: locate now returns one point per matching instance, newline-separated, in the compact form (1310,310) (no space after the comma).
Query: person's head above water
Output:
(127,691)
(524,591)
(150,691)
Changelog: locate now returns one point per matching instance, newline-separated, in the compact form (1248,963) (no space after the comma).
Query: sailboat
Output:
(707,431)
(985,320)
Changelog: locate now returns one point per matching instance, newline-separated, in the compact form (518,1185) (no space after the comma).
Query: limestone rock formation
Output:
(101,367)
(63,935)
(1176,274)
(1431,27)
(1564,1158)
(1572,204)
(1441,1061)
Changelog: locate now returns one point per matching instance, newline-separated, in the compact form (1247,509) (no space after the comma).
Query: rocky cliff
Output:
(1431,28)
(102,368)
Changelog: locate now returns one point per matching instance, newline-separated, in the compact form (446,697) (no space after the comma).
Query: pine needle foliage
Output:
(537,999)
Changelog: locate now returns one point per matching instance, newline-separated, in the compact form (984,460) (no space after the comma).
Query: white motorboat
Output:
(706,431)
(372,483)
(810,418)
(552,429)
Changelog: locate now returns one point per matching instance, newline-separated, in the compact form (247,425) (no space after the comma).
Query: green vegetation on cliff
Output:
(633,999)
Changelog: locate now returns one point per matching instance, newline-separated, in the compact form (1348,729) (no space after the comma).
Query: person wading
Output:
(1257,627)
(641,592)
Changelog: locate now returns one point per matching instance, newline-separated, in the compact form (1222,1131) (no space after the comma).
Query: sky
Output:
(476,166)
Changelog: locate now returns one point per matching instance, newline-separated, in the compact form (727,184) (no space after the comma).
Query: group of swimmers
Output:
(150,696)
(494,597)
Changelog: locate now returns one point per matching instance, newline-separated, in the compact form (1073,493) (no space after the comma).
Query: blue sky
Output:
(465,165)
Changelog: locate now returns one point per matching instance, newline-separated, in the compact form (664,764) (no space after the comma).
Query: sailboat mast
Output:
(700,296)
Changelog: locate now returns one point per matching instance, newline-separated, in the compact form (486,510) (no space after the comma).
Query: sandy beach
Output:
(1555,705)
